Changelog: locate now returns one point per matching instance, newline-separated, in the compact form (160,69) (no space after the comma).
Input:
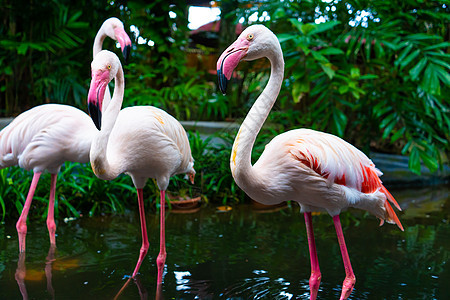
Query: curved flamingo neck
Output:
(98,41)
(102,166)
(240,161)
(98,46)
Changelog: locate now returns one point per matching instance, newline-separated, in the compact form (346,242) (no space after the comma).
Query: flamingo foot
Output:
(22,233)
(142,254)
(160,262)
(51,231)
(314,283)
(347,287)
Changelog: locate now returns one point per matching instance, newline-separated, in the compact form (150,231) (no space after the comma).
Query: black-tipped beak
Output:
(126,53)
(96,114)
(223,81)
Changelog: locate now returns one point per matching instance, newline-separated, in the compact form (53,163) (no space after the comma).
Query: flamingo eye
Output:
(250,37)
(109,67)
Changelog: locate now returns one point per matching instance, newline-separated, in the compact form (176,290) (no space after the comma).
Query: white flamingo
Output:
(142,141)
(44,137)
(318,170)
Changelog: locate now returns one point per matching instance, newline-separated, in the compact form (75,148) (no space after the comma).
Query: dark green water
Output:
(240,254)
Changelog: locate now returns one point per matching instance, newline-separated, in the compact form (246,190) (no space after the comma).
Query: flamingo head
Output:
(191,176)
(254,42)
(113,28)
(104,68)
(190,171)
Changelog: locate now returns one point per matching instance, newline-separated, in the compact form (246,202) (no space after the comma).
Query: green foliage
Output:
(40,50)
(158,74)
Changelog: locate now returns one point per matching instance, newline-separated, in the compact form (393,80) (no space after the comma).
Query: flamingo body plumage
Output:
(321,172)
(142,141)
(44,137)
(315,169)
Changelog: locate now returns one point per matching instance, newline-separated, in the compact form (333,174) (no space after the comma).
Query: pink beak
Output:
(229,60)
(99,81)
(124,41)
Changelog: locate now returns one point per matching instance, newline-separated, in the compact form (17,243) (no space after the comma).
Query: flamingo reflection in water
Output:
(21,272)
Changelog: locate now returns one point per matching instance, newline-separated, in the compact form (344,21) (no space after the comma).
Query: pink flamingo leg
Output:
(316,276)
(51,210)
(145,244)
(21,224)
(350,279)
(161,260)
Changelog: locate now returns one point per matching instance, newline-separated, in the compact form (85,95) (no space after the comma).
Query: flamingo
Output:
(318,170)
(44,137)
(143,141)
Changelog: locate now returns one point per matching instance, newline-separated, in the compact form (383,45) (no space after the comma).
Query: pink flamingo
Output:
(142,141)
(44,137)
(318,170)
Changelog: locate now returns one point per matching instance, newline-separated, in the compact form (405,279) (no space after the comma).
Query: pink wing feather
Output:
(341,163)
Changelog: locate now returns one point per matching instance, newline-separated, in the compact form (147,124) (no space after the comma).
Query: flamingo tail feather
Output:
(390,197)
(391,217)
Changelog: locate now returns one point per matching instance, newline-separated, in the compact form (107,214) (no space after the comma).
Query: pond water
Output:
(244,253)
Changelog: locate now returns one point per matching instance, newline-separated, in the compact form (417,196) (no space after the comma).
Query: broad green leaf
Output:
(71,208)
(423,36)
(75,16)
(417,69)
(430,81)
(328,69)
(442,75)
(391,45)
(22,49)
(343,89)
(399,134)
(307,28)
(439,54)
(388,129)
(438,115)
(2,204)
(431,163)
(355,72)
(409,58)
(300,87)
(440,62)
(330,51)
(340,121)
(296,23)
(381,108)
(403,54)
(368,76)
(414,161)
(387,120)
(319,57)
(443,45)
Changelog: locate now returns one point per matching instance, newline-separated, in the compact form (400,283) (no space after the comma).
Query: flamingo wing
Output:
(46,136)
(341,163)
